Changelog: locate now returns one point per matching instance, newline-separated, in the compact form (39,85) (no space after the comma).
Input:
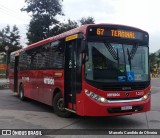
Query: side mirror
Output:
(83,45)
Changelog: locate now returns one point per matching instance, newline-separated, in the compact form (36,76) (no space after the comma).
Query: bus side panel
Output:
(27,80)
(47,83)
(45,87)
(40,84)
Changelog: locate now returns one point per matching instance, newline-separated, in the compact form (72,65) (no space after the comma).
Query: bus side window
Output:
(37,58)
(22,61)
(12,60)
(55,55)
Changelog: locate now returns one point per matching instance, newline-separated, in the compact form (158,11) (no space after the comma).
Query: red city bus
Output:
(93,70)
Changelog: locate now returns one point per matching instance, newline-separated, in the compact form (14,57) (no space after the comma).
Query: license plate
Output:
(127,107)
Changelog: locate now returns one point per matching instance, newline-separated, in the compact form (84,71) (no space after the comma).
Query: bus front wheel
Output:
(58,105)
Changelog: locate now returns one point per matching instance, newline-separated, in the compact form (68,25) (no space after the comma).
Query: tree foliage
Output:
(152,59)
(9,37)
(39,28)
(63,27)
(89,20)
(43,14)
(44,23)
(43,7)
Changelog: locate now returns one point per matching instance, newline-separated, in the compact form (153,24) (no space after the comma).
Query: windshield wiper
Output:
(129,58)
(112,51)
(131,54)
(133,51)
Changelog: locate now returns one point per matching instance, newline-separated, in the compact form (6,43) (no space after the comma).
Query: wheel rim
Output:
(60,104)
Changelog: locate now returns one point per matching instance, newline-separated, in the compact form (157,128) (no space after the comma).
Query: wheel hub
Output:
(60,104)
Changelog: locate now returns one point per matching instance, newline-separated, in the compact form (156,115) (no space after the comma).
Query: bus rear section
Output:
(94,70)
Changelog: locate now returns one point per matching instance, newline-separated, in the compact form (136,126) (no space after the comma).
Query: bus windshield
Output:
(115,62)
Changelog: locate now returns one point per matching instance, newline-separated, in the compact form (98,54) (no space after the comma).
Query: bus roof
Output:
(82,29)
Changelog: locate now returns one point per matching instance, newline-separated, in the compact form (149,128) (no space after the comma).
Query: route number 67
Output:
(100,31)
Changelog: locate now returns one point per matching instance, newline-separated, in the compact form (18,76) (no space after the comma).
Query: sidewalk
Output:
(4,83)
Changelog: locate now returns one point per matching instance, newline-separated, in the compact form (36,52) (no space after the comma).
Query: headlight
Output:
(102,100)
(95,96)
(146,96)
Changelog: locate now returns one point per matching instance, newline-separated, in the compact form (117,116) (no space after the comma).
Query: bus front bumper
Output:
(94,108)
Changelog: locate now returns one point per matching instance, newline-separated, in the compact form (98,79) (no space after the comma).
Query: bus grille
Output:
(123,87)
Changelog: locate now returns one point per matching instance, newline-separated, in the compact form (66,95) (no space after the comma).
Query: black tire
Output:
(58,105)
(21,93)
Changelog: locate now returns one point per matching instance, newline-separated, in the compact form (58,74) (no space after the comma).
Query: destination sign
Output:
(117,33)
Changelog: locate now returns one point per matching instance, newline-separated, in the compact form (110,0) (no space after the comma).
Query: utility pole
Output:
(6,48)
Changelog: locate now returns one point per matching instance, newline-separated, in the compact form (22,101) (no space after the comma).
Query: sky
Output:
(143,14)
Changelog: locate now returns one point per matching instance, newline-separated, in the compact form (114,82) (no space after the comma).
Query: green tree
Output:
(63,27)
(10,38)
(88,20)
(158,59)
(43,13)
(152,59)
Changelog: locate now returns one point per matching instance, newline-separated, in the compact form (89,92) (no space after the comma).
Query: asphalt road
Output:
(15,114)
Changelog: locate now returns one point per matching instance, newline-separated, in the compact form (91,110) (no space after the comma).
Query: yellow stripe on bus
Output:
(68,38)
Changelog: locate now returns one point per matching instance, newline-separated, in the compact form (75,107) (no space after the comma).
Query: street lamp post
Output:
(6,48)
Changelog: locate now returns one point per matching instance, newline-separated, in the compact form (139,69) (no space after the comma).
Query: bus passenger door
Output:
(70,74)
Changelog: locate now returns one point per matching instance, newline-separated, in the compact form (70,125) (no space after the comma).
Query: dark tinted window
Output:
(12,61)
(24,62)
(38,57)
(55,55)
(47,56)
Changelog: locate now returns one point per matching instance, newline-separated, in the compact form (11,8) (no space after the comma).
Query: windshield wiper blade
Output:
(131,55)
(112,51)
(129,58)
(133,51)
